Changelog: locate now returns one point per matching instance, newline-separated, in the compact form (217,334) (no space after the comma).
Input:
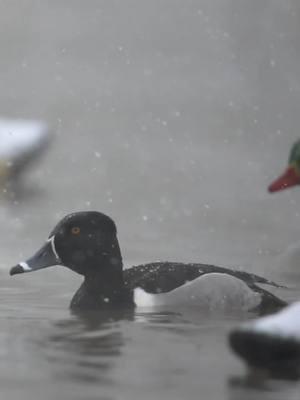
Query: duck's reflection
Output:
(262,378)
(85,346)
(270,386)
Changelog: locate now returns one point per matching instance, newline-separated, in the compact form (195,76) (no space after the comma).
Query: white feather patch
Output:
(25,266)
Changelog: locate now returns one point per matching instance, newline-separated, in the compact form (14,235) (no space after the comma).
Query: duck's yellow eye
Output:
(75,230)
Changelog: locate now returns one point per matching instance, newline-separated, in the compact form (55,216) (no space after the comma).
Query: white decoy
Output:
(21,143)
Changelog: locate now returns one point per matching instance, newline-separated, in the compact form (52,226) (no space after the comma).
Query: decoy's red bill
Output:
(289,178)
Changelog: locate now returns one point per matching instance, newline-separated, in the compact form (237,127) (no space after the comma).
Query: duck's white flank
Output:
(210,291)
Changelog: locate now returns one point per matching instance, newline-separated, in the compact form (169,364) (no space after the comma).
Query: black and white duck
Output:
(86,243)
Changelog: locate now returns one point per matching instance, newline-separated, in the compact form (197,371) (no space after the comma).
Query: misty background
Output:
(170,116)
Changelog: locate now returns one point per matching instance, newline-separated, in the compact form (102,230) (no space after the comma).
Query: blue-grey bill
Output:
(45,257)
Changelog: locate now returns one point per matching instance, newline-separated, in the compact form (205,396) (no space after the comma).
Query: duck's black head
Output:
(83,241)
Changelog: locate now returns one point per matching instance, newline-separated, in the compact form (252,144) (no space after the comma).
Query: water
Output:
(171,355)
(172,117)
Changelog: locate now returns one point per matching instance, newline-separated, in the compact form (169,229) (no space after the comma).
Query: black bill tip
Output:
(17,269)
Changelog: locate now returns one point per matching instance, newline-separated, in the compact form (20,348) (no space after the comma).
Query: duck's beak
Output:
(45,257)
(289,178)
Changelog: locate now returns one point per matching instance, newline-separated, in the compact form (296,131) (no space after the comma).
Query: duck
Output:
(291,175)
(22,141)
(288,179)
(86,243)
(270,344)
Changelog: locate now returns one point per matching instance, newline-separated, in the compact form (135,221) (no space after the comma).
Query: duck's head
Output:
(291,175)
(84,242)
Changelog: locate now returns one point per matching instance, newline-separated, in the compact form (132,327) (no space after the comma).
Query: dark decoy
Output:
(86,242)
(270,345)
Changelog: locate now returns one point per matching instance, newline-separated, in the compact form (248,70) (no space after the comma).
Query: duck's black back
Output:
(161,277)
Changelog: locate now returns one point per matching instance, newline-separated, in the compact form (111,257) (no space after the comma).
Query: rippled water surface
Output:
(48,351)
(172,117)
